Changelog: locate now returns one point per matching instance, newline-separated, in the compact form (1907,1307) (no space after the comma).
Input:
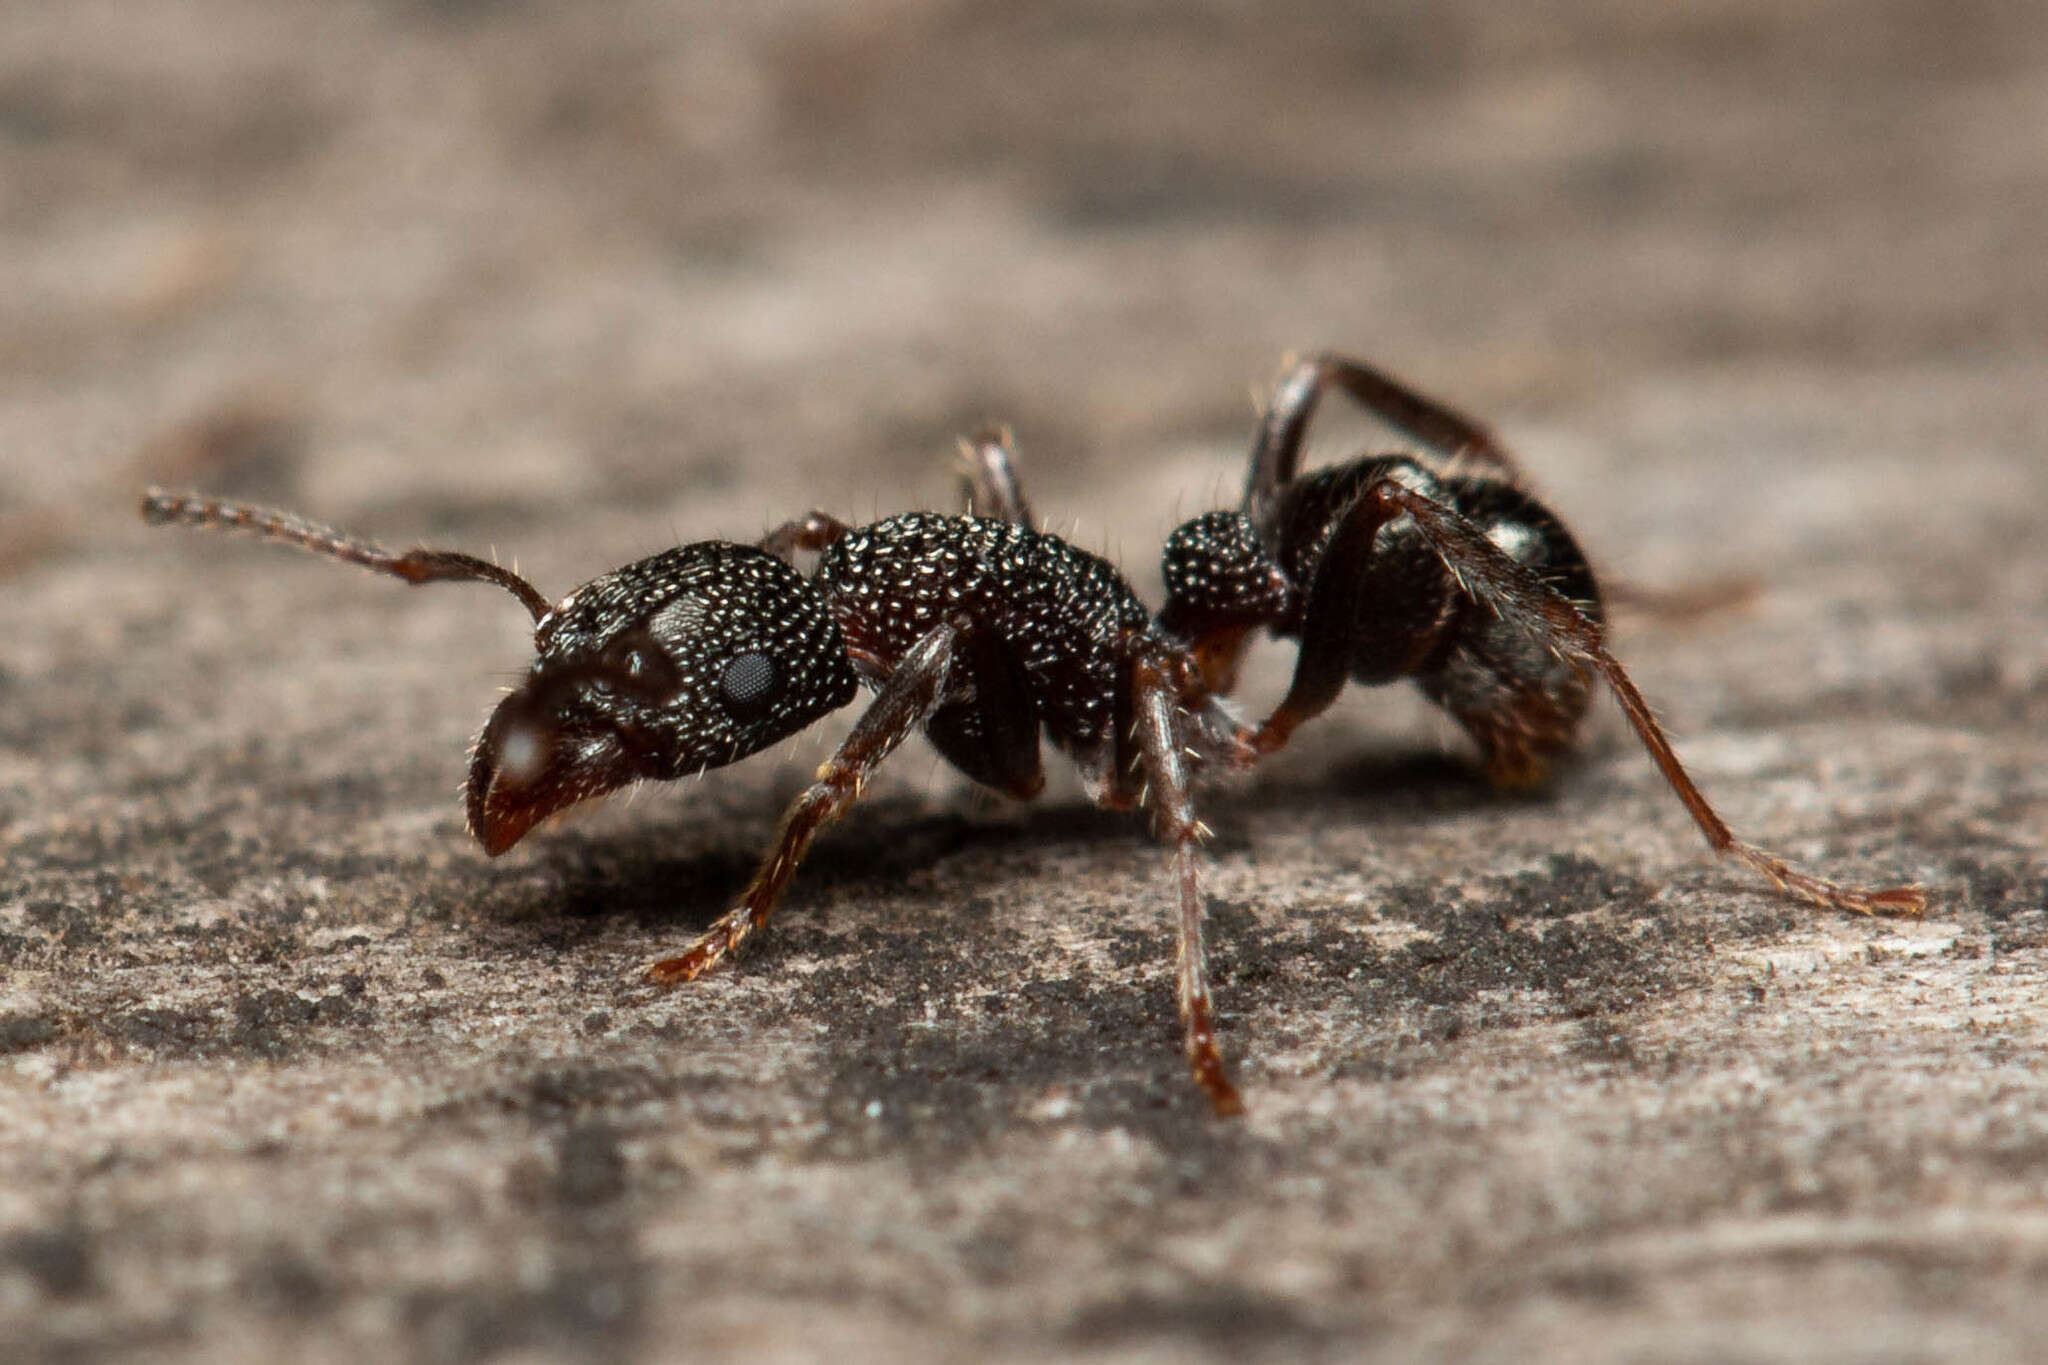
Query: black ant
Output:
(981,630)
(1441,570)
(986,633)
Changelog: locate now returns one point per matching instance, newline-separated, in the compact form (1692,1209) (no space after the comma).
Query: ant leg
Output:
(909,697)
(989,476)
(994,738)
(1322,667)
(1276,456)
(1161,745)
(1514,591)
(812,532)
(1685,602)
(415,566)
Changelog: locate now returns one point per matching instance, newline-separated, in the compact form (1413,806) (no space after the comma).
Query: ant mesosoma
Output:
(1441,570)
(981,630)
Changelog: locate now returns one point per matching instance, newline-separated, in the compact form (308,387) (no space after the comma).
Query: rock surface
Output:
(291,1071)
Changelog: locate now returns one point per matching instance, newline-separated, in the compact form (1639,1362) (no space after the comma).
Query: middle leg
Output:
(813,531)
(988,466)
(1162,745)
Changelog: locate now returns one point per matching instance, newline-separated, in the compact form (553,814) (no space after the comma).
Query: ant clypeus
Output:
(981,630)
(1442,570)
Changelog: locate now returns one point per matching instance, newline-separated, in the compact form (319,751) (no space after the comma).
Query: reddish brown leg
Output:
(1519,595)
(1322,666)
(910,696)
(1684,602)
(1276,456)
(988,460)
(812,532)
(415,566)
(1156,709)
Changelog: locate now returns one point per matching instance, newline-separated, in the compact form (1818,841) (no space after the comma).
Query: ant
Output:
(988,634)
(981,630)
(1437,567)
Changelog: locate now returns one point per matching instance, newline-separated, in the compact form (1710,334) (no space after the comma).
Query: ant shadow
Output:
(1103,1035)
(1376,784)
(887,844)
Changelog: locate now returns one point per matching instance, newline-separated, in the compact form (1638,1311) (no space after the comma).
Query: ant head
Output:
(1221,582)
(689,660)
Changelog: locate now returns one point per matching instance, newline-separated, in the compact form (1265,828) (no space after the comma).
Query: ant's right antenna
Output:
(160,508)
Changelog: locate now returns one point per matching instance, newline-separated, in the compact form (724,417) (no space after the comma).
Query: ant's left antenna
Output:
(160,508)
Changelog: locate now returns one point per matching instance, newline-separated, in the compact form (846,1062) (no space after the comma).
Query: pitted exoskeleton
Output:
(983,632)
(688,660)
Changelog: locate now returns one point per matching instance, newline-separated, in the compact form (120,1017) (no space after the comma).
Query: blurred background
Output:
(458,261)
(287,1070)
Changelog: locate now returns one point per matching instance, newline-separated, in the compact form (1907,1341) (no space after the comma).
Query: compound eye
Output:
(748,683)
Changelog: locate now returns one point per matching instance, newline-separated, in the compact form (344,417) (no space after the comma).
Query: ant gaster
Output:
(982,631)
(1443,570)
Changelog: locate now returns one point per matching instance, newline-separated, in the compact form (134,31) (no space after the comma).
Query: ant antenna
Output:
(160,508)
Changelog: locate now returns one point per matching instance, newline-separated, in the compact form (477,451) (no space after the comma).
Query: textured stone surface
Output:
(291,1071)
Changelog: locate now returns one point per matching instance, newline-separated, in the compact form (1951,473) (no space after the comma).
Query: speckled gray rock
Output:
(292,1071)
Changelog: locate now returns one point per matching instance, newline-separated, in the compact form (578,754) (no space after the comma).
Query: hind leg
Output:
(1276,456)
(1520,727)
(1522,601)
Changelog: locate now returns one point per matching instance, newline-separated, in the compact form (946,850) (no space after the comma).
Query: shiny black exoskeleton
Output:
(983,632)
(1404,613)
(1434,566)
(685,661)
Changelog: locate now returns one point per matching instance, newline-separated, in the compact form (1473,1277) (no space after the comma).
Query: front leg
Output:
(912,693)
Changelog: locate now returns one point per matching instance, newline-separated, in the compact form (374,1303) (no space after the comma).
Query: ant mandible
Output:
(982,631)
(1443,570)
